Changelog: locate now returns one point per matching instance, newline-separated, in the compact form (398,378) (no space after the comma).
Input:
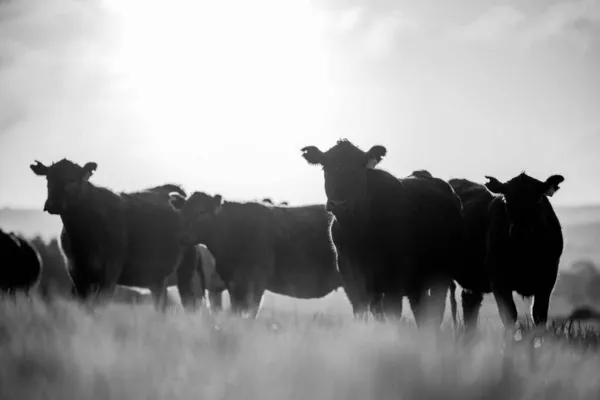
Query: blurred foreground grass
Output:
(63,351)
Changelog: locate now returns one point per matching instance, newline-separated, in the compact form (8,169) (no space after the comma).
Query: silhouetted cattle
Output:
(259,247)
(514,244)
(131,239)
(394,237)
(20,264)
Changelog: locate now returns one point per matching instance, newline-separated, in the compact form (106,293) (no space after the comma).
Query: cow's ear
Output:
(39,169)
(89,169)
(552,184)
(313,155)
(375,155)
(494,185)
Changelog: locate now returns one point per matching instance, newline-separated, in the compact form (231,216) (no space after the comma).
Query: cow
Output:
(514,244)
(20,264)
(259,247)
(109,238)
(393,237)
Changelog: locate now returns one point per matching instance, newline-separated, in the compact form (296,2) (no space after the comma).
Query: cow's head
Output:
(66,183)
(197,211)
(345,167)
(524,197)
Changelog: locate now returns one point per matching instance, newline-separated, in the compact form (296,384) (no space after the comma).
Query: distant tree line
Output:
(580,285)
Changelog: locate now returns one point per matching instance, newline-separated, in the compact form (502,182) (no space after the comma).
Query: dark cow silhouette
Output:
(394,237)
(130,239)
(20,264)
(259,247)
(514,244)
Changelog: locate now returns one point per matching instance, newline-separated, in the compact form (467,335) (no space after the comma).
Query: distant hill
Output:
(30,222)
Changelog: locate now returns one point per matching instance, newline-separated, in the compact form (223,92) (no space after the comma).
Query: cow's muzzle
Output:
(53,208)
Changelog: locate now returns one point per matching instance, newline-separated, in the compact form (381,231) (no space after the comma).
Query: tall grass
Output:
(60,350)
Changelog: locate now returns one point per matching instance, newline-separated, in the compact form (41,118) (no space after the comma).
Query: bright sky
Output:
(221,95)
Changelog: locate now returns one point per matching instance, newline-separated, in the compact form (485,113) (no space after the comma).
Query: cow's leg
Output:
(255,300)
(245,297)
(392,305)
(160,295)
(83,286)
(453,304)
(436,306)
(216,301)
(471,303)
(416,299)
(506,307)
(186,275)
(111,273)
(539,308)
(354,286)
(376,306)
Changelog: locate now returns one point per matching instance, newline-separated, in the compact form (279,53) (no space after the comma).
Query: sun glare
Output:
(250,72)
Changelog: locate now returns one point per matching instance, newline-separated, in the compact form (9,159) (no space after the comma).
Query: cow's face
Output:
(345,169)
(523,196)
(197,211)
(66,183)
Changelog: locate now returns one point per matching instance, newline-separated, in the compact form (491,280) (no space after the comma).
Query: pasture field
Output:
(63,351)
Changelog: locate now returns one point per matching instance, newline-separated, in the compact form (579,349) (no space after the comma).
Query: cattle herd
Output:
(379,237)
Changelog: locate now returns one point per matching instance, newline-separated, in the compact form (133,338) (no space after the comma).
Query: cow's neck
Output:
(84,217)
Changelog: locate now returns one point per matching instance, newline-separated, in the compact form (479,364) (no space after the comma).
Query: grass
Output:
(63,351)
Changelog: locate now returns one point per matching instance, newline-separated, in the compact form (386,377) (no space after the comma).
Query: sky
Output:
(221,96)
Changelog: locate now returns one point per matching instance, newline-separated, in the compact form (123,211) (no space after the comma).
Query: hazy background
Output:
(221,96)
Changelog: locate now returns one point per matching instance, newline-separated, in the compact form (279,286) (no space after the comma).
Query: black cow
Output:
(259,247)
(130,239)
(20,264)
(394,237)
(514,244)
